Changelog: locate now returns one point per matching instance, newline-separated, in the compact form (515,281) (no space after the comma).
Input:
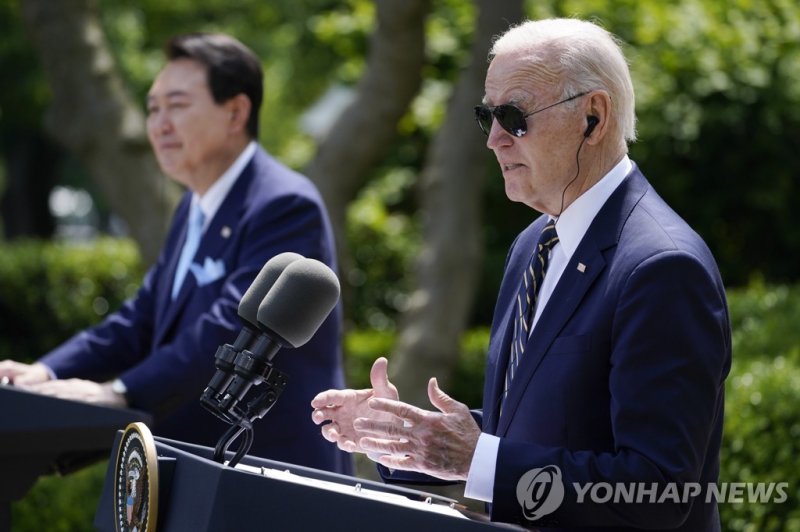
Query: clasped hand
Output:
(403,436)
(36,378)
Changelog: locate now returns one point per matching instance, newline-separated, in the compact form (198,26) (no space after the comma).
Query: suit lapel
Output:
(503,326)
(569,291)
(173,249)
(220,232)
(603,233)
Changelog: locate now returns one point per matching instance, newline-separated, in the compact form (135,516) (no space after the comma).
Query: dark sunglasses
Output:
(510,118)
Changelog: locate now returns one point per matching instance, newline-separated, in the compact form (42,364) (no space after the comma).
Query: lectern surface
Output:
(196,494)
(41,434)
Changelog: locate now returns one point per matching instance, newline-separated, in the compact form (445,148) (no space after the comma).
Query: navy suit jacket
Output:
(623,376)
(163,350)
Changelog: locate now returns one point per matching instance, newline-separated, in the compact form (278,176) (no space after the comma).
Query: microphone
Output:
(291,312)
(248,313)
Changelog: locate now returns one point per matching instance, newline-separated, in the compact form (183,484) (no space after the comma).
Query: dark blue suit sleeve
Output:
(103,351)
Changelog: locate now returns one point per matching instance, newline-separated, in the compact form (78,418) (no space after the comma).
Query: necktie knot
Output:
(196,218)
(548,238)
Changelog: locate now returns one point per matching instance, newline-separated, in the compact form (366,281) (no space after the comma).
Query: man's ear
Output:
(239,108)
(598,116)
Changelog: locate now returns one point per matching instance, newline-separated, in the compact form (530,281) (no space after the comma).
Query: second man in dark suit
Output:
(157,352)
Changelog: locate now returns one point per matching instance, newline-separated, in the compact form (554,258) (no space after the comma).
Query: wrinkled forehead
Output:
(521,77)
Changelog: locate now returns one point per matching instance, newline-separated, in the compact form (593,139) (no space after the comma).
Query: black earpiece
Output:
(592,122)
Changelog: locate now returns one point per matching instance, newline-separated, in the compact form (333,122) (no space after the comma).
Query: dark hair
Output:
(232,68)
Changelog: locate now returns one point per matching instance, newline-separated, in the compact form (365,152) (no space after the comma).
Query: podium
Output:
(197,494)
(41,435)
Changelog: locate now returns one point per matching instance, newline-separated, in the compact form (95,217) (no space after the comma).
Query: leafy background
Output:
(718,102)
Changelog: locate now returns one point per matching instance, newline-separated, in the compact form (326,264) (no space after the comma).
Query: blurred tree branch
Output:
(93,115)
(363,133)
(448,267)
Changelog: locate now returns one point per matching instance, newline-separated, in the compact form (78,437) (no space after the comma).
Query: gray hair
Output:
(582,55)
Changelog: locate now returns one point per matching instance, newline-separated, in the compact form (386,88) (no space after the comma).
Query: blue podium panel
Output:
(197,494)
(41,434)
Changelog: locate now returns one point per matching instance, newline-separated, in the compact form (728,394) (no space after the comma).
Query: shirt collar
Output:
(575,220)
(215,195)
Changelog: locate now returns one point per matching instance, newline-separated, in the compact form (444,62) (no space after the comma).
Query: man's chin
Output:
(173,171)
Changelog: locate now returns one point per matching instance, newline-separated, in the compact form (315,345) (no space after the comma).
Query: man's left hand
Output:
(440,444)
(80,390)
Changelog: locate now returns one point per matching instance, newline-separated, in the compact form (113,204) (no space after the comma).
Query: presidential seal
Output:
(136,481)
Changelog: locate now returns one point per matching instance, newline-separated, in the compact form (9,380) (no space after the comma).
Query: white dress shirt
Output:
(213,198)
(215,195)
(571,227)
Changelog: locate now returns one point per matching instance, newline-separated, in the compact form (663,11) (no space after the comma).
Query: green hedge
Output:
(762,441)
(48,291)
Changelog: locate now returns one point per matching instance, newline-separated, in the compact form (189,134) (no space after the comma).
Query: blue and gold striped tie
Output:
(527,296)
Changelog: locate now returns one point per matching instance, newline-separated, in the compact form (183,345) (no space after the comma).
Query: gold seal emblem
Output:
(136,481)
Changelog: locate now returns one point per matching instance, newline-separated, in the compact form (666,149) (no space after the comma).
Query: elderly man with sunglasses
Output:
(610,344)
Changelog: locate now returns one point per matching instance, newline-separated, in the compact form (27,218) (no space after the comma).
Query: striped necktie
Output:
(527,296)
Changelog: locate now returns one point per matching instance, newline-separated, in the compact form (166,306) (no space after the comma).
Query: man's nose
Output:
(497,136)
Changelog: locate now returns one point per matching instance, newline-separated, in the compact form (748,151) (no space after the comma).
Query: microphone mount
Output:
(237,372)
(285,285)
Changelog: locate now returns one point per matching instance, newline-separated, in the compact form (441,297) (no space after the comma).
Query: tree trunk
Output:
(448,266)
(364,132)
(93,115)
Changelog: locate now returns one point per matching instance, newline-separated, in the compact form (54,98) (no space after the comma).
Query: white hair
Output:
(582,55)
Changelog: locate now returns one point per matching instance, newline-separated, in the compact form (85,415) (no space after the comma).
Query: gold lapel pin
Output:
(581,267)
(225,231)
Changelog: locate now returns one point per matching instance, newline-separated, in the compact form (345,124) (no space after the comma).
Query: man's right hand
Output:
(24,374)
(342,407)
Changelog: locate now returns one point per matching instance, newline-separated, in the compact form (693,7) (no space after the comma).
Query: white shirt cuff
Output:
(480,479)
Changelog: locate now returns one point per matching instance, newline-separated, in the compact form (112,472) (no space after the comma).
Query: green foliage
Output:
(384,244)
(23,101)
(363,346)
(718,102)
(61,504)
(762,441)
(467,382)
(49,291)
(765,323)
(762,419)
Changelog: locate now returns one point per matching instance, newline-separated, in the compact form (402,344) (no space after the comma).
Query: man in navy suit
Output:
(157,352)
(610,341)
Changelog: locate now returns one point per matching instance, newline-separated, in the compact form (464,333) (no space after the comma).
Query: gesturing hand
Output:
(342,407)
(436,443)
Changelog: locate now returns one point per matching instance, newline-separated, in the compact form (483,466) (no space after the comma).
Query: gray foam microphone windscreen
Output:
(299,301)
(252,298)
